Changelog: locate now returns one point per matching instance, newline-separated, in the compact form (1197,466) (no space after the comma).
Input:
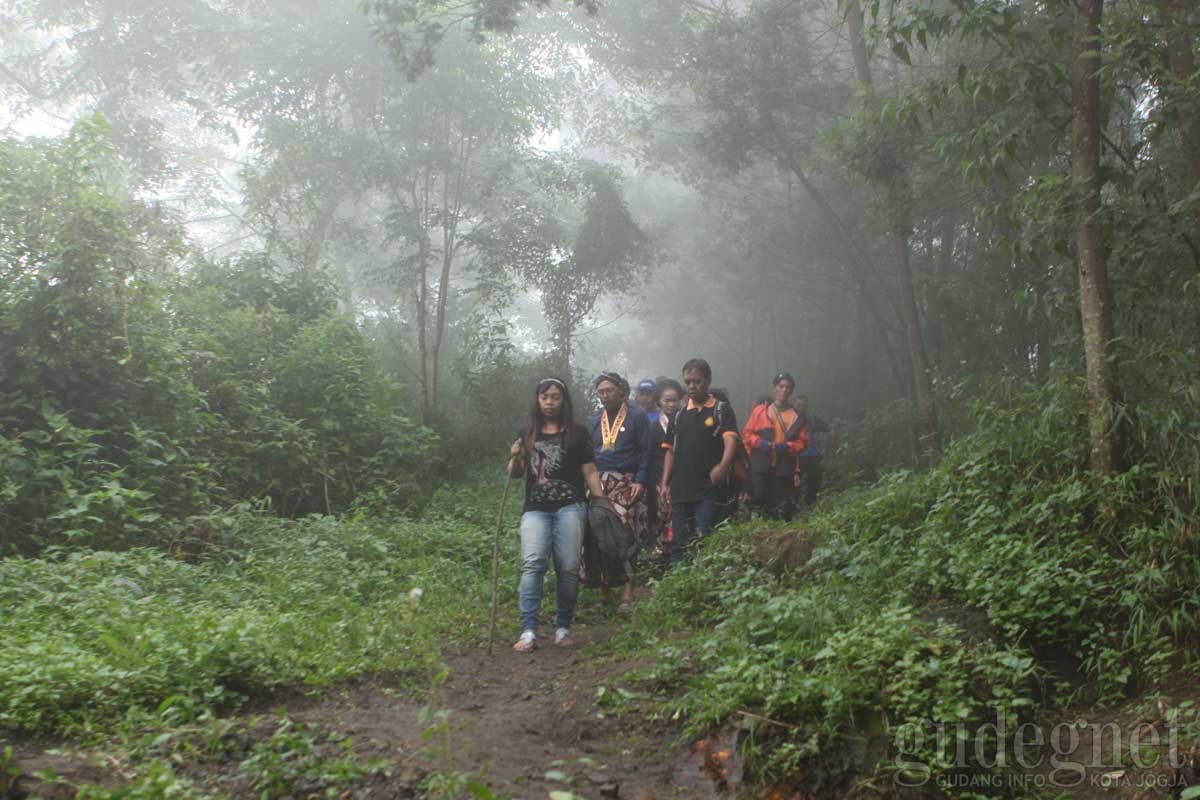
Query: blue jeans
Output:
(545,534)
(690,523)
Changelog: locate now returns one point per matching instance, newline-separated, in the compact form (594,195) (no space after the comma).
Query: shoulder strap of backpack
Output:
(719,417)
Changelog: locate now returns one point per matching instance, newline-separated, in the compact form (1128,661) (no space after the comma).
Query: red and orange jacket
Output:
(766,424)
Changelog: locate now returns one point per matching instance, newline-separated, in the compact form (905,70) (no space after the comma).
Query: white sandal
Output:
(527,643)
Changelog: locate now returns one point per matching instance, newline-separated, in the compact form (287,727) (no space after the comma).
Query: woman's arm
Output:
(591,477)
(516,459)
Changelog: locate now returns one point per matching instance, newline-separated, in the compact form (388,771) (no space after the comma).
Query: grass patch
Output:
(91,634)
(1005,581)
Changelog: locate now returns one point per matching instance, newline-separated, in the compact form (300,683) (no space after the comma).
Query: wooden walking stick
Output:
(496,563)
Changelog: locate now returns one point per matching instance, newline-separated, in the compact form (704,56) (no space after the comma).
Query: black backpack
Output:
(719,412)
(604,545)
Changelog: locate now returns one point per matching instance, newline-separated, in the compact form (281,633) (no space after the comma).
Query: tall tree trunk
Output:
(562,347)
(420,203)
(1041,365)
(439,322)
(1182,61)
(1091,252)
(451,214)
(449,246)
(947,232)
(851,366)
(314,247)
(896,197)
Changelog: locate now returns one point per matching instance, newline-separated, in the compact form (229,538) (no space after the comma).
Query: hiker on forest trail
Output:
(621,440)
(702,442)
(775,435)
(645,397)
(809,472)
(737,481)
(670,394)
(555,455)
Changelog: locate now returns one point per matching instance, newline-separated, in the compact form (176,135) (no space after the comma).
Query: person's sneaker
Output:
(526,643)
(562,637)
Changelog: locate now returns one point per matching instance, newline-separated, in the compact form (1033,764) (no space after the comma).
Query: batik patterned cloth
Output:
(618,487)
(663,523)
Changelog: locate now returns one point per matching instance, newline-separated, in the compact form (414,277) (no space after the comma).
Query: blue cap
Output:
(647,385)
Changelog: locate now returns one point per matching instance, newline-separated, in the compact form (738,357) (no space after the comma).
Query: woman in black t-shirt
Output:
(556,457)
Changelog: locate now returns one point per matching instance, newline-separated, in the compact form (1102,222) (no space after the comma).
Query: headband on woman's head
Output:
(556,381)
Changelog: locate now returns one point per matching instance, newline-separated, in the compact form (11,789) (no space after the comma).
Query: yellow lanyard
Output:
(609,433)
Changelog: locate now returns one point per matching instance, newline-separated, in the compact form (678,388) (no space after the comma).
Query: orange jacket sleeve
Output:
(758,420)
(798,443)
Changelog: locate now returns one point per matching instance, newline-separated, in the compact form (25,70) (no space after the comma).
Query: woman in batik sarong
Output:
(621,441)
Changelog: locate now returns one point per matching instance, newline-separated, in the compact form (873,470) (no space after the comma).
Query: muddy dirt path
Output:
(527,724)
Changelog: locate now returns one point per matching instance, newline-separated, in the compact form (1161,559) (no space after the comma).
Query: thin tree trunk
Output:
(419,204)
(451,213)
(947,232)
(1182,61)
(314,248)
(562,350)
(439,324)
(922,373)
(858,43)
(852,369)
(896,197)
(1091,252)
(1041,367)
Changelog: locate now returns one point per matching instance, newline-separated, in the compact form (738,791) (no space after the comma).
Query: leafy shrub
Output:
(89,635)
(132,397)
(1005,578)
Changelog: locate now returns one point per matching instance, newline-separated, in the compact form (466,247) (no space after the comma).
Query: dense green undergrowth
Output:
(88,636)
(1007,581)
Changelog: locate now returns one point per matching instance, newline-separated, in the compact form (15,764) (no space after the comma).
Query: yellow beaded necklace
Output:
(609,433)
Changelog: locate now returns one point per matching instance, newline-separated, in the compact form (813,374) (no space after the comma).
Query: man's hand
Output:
(635,492)
(517,448)
(718,474)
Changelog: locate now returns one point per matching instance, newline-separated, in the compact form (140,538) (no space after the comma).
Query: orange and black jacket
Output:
(767,424)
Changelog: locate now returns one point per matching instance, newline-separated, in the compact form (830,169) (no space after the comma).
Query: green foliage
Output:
(413,31)
(160,753)
(290,761)
(132,400)
(270,602)
(571,237)
(1004,579)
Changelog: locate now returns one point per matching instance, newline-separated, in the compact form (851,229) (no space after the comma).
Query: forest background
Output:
(259,222)
(290,258)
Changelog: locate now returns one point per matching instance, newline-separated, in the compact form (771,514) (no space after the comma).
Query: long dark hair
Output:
(566,418)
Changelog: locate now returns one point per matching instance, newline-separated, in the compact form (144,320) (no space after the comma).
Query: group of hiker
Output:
(662,467)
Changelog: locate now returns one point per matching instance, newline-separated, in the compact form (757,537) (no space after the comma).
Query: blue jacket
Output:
(631,453)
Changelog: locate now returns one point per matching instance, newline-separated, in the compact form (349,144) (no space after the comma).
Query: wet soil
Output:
(524,724)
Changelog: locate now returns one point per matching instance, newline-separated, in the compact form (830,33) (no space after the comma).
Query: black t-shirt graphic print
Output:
(554,475)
